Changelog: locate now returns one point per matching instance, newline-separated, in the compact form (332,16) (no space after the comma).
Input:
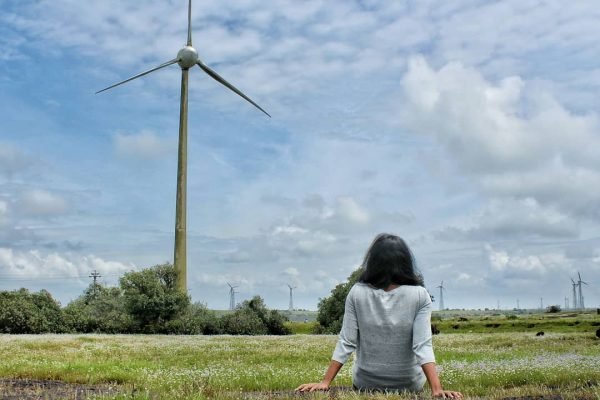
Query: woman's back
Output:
(390,329)
(390,332)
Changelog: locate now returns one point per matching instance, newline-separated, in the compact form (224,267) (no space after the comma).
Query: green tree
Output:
(331,309)
(152,298)
(99,309)
(553,309)
(252,317)
(196,319)
(25,312)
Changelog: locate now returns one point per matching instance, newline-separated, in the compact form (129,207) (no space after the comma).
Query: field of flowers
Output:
(494,365)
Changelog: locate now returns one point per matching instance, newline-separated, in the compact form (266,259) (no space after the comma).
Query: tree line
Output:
(145,301)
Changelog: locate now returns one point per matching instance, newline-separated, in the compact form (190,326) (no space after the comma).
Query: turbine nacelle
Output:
(187,57)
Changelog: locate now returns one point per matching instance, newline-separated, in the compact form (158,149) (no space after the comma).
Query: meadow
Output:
(488,364)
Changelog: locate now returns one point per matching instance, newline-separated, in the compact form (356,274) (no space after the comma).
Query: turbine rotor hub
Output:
(187,57)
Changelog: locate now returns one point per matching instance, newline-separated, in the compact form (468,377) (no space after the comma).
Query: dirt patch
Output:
(31,389)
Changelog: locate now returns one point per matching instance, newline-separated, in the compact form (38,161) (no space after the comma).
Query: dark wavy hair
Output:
(390,261)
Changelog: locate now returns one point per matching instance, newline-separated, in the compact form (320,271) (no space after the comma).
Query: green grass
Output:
(199,367)
(555,323)
(302,328)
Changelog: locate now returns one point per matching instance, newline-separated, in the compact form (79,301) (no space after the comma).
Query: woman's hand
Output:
(446,394)
(313,387)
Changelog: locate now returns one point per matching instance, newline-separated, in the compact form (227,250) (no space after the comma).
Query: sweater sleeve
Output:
(422,338)
(349,334)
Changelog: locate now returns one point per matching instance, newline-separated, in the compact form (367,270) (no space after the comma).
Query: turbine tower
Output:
(232,293)
(579,282)
(441,287)
(187,58)
(291,297)
(574,294)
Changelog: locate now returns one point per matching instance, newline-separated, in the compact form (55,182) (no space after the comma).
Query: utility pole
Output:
(95,275)
(541,303)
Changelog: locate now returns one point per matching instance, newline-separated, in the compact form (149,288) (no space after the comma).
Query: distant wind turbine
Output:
(187,58)
(291,305)
(441,287)
(574,293)
(232,293)
(579,282)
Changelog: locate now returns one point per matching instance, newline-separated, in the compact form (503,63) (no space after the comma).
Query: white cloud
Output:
(291,271)
(503,219)
(42,203)
(349,209)
(216,279)
(523,265)
(34,264)
(145,145)
(512,140)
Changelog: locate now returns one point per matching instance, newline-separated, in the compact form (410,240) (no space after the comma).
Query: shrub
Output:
(196,319)
(331,309)
(152,298)
(25,312)
(243,322)
(100,310)
(553,309)
(252,317)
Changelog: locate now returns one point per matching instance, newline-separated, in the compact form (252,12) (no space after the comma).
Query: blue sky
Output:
(470,128)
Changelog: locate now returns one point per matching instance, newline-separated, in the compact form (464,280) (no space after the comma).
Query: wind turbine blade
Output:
(189,41)
(138,75)
(223,82)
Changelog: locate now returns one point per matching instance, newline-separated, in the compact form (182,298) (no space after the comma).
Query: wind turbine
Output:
(441,287)
(291,297)
(579,282)
(574,294)
(231,296)
(187,58)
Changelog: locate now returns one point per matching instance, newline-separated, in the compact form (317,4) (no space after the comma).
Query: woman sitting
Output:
(387,322)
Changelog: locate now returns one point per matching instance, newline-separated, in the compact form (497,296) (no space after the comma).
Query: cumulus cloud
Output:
(145,145)
(35,264)
(42,203)
(522,266)
(216,279)
(514,142)
(513,219)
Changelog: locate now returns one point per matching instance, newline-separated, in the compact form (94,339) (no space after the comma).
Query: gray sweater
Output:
(391,334)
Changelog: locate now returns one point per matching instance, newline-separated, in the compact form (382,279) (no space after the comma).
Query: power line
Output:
(15,278)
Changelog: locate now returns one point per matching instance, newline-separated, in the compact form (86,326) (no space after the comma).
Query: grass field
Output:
(493,365)
(456,322)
